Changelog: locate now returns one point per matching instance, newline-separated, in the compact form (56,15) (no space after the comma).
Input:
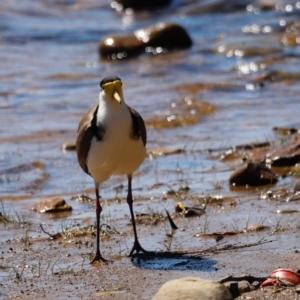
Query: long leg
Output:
(136,246)
(98,256)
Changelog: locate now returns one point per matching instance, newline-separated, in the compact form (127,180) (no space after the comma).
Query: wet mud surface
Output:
(229,100)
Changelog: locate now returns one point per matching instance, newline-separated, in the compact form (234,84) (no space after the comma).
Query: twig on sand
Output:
(53,237)
(197,253)
(217,248)
(248,278)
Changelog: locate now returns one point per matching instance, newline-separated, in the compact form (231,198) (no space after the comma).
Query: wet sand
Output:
(232,87)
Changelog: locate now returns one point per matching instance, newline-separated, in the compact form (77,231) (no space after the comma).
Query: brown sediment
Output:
(15,198)
(291,37)
(37,183)
(164,151)
(23,168)
(185,113)
(38,136)
(274,76)
(71,76)
(195,88)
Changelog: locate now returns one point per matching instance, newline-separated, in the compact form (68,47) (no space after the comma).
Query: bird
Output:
(111,140)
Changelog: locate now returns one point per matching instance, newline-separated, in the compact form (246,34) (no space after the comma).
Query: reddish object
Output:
(286,276)
(268,282)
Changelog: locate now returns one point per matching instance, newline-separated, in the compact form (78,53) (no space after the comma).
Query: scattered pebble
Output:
(52,205)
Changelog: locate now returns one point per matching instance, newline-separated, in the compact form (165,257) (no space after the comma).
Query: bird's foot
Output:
(99,258)
(137,248)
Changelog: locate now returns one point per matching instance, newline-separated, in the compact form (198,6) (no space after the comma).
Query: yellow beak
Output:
(114,90)
(116,96)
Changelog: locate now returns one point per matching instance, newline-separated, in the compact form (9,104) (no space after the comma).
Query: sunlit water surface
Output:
(50,72)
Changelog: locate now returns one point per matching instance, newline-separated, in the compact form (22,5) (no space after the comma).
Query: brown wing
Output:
(138,126)
(87,129)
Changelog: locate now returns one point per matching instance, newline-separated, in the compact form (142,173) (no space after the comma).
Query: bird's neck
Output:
(109,112)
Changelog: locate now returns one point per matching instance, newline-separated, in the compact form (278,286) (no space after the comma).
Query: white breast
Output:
(117,153)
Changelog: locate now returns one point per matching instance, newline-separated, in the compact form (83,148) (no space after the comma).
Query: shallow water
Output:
(50,73)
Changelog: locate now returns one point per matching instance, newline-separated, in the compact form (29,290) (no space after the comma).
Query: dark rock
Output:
(189,211)
(139,4)
(288,155)
(52,205)
(253,174)
(156,39)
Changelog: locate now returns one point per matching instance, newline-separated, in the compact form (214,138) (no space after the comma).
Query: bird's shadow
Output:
(173,261)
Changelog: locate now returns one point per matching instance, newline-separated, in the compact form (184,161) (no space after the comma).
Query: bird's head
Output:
(111,89)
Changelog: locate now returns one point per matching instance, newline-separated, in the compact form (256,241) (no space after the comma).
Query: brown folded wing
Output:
(138,126)
(87,129)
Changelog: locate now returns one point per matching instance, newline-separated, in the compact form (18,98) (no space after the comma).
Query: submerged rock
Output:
(291,37)
(247,46)
(192,288)
(139,4)
(52,205)
(156,39)
(253,174)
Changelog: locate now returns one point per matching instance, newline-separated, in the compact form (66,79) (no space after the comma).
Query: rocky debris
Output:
(139,4)
(283,159)
(156,39)
(82,198)
(275,156)
(288,155)
(192,288)
(189,211)
(52,205)
(285,131)
(253,174)
(68,146)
